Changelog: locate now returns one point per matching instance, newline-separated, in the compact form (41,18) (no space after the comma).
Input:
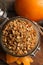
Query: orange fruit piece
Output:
(24,60)
(10,59)
(31,9)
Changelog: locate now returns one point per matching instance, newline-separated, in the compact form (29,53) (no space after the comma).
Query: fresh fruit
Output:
(31,9)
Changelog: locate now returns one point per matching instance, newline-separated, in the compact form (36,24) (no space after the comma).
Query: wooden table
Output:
(38,59)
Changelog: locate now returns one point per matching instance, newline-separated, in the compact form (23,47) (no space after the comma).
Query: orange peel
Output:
(25,60)
(10,59)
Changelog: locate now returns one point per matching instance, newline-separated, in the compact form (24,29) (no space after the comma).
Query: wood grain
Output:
(38,59)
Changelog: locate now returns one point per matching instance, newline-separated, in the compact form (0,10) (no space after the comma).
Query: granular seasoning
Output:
(19,37)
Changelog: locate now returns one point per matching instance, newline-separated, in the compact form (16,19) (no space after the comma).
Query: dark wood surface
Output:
(38,59)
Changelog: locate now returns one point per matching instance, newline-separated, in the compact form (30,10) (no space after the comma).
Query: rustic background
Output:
(38,59)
